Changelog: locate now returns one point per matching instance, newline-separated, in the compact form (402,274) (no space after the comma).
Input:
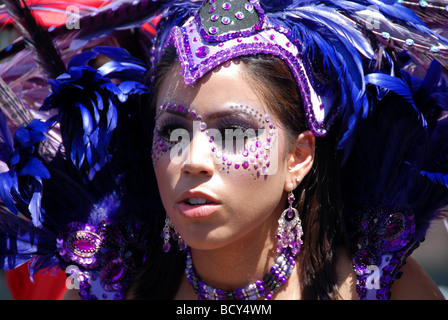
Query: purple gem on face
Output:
(214,17)
(212,9)
(202,51)
(202,126)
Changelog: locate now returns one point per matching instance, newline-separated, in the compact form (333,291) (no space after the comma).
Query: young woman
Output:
(293,158)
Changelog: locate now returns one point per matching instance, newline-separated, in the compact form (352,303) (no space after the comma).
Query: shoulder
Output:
(414,284)
(346,277)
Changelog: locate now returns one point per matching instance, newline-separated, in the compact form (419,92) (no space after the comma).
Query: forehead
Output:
(224,86)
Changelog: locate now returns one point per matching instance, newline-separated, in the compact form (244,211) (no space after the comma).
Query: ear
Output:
(300,160)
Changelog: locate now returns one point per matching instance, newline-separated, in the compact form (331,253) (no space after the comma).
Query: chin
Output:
(211,239)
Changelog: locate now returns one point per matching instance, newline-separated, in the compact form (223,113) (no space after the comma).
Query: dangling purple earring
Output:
(169,231)
(289,231)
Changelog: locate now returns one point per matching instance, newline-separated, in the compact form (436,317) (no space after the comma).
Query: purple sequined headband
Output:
(224,30)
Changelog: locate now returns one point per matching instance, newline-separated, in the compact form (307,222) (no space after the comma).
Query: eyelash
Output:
(165,127)
(232,125)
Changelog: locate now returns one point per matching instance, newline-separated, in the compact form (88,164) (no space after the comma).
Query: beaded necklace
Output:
(278,275)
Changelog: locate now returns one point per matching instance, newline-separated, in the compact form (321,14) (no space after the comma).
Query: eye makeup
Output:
(240,137)
(179,118)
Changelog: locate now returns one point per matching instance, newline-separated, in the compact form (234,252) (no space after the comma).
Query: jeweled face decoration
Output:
(239,138)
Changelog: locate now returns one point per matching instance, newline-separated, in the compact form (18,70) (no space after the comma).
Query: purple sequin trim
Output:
(81,244)
(192,71)
(385,240)
(105,256)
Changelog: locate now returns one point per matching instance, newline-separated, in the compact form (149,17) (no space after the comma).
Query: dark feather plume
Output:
(37,38)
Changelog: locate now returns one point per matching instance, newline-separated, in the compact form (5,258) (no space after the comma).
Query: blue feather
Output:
(20,241)
(395,10)
(8,180)
(436,177)
(398,86)
(35,168)
(6,140)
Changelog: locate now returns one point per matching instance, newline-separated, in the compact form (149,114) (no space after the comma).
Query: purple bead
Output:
(166,247)
(202,51)
(268,118)
(225,20)
(214,17)
(226,6)
(213,30)
(239,15)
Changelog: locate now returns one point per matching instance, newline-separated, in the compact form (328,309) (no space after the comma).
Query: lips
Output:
(196,205)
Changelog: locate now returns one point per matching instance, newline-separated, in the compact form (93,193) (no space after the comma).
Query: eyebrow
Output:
(178,110)
(230,113)
(208,117)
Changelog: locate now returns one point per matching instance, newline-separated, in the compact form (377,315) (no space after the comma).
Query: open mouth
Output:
(198,201)
(197,206)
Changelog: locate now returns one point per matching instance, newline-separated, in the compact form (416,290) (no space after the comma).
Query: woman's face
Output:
(219,158)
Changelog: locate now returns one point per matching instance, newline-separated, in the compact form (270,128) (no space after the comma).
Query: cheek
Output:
(166,170)
(255,153)
(161,149)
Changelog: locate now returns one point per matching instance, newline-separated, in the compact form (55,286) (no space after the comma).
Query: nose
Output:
(199,161)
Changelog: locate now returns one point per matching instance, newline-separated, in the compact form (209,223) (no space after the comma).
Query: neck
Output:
(236,265)
(241,263)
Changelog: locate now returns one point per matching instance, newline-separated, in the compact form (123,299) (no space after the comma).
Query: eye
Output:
(166,126)
(235,135)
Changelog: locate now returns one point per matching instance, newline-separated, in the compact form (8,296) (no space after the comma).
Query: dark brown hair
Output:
(318,195)
(318,198)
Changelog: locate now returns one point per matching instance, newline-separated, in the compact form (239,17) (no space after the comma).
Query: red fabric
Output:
(46,286)
(48,18)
